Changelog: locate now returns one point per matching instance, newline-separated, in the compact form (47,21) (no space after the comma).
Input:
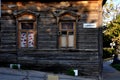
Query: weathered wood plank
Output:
(84,58)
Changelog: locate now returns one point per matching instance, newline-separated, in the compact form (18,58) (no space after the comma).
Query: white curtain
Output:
(30,39)
(71,41)
(23,40)
(63,41)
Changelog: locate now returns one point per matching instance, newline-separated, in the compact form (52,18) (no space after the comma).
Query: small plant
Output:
(15,66)
(70,72)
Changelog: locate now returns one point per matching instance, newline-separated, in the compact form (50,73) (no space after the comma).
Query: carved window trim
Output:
(68,33)
(27,31)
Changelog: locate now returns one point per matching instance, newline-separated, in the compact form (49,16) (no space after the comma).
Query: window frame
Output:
(34,30)
(68,30)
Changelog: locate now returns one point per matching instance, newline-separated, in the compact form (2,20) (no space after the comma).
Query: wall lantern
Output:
(112,44)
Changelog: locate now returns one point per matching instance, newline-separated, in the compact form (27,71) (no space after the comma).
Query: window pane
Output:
(23,39)
(63,41)
(67,25)
(71,33)
(27,26)
(64,26)
(30,39)
(64,32)
(70,25)
(71,41)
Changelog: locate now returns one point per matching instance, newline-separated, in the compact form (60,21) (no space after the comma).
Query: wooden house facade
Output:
(43,33)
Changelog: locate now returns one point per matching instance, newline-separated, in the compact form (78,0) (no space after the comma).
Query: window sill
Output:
(68,49)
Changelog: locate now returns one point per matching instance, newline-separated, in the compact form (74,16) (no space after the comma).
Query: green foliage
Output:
(107,39)
(70,72)
(15,66)
(108,52)
(112,33)
(116,66)
(113,29)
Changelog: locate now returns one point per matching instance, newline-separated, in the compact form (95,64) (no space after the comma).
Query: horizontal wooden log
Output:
(8,38)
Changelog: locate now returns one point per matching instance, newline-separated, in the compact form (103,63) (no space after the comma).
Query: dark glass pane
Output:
(70,26)
(27,26)
(64,32)
(71,33)
(67,25)
(64,26)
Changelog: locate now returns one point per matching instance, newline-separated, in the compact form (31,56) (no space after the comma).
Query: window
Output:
(27,31)
(67,37)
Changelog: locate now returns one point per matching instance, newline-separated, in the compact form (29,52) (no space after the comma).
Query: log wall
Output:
(87,55)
